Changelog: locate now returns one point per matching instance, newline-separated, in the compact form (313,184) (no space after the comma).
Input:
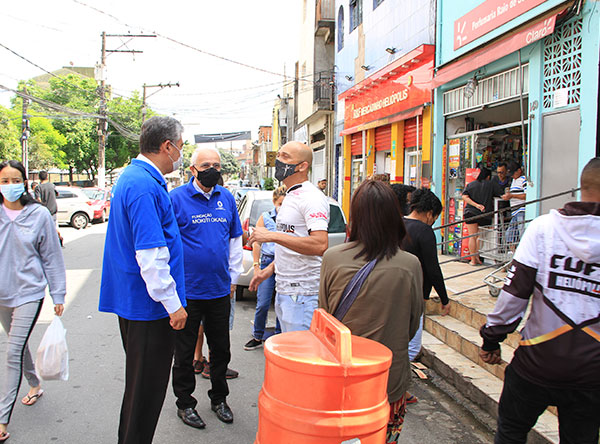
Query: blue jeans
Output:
(263,301)
(295,312)
(515,229)
(414,346)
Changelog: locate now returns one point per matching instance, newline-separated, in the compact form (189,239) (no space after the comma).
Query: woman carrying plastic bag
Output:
(30,260)
(52,358)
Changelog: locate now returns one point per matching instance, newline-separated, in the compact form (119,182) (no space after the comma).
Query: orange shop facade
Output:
(387,124)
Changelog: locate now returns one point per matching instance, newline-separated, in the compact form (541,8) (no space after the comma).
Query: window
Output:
(377,3)
(62,194)
(340,35)
(355,14)
(336,220)
(258,208)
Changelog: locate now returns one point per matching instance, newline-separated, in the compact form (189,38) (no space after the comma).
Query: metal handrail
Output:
(504,210)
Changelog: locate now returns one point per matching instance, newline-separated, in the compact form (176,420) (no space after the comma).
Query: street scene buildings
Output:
(455,100)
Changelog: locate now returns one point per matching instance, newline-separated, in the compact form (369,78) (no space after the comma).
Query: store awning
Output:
(391,119)
(515,40)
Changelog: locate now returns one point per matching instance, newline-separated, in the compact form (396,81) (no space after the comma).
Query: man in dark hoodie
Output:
(557,265)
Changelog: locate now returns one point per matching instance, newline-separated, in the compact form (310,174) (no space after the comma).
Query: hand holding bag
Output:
(52,358)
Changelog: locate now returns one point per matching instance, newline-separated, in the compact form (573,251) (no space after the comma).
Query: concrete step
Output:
(467,341)
(472,310)
(478,384)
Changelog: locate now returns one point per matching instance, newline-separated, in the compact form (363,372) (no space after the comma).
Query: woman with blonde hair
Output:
(263,255)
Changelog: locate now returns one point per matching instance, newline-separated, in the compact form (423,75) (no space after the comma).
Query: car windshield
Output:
(91,194)
(241,192)
(258,208)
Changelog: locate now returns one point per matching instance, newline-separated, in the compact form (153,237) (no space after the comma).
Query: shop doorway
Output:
(560,156)
(412,168)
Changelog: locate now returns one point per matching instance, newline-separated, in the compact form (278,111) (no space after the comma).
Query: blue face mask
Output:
(12,191)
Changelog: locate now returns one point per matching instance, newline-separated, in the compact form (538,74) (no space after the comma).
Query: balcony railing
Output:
(323,90)
(325,11)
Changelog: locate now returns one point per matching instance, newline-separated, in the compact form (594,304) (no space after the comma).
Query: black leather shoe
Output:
(223,412)
(191,417)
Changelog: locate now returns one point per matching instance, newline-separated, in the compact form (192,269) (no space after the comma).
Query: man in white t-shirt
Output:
(300,240)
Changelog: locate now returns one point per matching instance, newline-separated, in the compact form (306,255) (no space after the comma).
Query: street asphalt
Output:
(85,409)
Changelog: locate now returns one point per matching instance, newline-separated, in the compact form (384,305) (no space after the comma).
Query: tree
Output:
(229,164)
(126,111)
(269,184)
(10,145)
(74,144)
(45,145)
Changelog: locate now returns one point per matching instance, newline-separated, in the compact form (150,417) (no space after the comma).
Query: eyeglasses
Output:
(178,149)
(207,165)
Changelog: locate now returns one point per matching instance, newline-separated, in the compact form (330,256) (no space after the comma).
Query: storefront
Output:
(387,124)
(508,86)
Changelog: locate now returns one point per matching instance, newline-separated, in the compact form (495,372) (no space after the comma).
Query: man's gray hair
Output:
(158,129)
(200,149)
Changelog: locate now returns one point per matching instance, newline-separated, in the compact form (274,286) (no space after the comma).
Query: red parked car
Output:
(101,197)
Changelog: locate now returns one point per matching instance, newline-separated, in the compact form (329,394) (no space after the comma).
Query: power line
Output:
(193,48)
(123,130)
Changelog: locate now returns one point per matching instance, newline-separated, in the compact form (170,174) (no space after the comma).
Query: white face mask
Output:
(176,163)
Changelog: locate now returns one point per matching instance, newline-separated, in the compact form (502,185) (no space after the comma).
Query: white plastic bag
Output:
(52,358)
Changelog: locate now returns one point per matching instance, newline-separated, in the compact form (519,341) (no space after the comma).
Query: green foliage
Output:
(10,145)
(269,184)
(45,145)
(127,112)
(188,150)
(229,165)
(72,141)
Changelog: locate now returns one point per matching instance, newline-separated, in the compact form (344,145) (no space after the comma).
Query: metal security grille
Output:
(562,63)
(494,89)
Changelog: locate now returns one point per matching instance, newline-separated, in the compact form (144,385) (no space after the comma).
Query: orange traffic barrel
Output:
(324,386)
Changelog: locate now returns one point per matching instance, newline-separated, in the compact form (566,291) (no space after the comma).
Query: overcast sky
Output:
(260,33)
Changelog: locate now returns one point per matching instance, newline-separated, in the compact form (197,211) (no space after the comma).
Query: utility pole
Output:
(144,96)
(102,122)
(25,134)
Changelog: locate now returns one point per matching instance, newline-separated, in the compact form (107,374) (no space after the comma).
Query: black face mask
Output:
(283,170)
(209,178)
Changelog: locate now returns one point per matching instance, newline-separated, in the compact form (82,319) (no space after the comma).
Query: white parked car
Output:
(254,204)
(74,207)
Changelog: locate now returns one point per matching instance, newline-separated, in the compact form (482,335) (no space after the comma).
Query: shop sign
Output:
(561,97)
(488,16)
(454,153)
(387,98)
(471,175)
(496,50)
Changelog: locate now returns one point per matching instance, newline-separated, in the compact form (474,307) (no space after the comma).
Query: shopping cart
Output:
(495,279)
(495,245)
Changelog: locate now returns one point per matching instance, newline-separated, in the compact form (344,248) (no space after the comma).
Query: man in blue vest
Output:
(212,246)
(142,276)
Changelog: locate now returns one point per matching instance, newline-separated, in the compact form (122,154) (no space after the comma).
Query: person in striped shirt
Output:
(516,195)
